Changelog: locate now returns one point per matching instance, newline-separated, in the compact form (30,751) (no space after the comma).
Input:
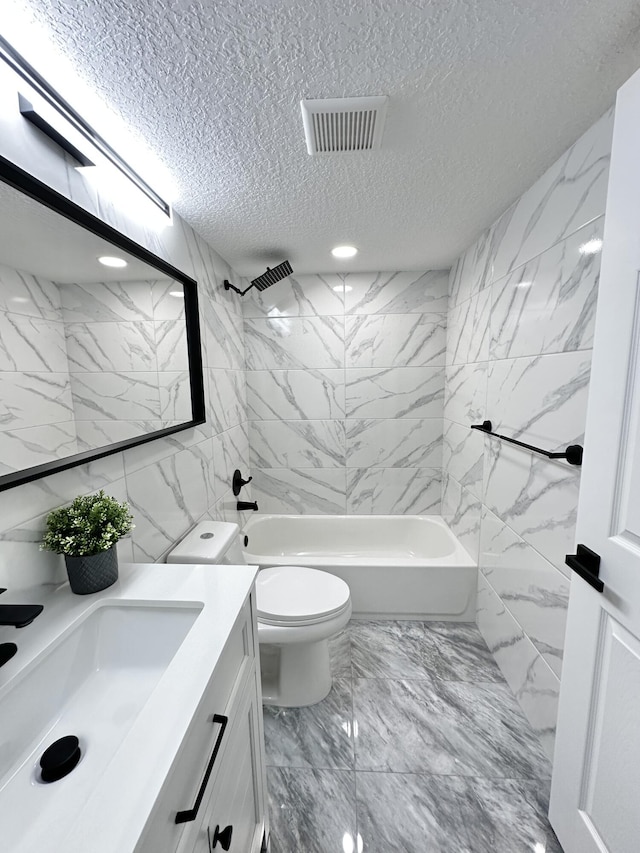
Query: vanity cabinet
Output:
(216,788)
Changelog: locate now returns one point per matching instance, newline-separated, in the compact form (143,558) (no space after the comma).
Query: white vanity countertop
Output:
(105,813)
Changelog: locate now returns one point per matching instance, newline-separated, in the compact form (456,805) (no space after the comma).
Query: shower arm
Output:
(229,286)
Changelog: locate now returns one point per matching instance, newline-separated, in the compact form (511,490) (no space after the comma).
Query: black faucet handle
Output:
(237,483)
(19,615)
(7,651)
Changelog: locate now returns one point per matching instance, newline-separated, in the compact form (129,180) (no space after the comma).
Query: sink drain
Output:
(59,759)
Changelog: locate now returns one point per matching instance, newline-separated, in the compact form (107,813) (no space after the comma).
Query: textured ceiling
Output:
(484,95)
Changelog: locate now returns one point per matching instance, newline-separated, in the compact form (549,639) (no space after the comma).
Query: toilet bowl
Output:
(298,610)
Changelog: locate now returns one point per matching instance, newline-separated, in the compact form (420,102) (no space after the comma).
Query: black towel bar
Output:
(573,453)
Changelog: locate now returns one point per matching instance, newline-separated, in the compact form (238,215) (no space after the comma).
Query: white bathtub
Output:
(400,567)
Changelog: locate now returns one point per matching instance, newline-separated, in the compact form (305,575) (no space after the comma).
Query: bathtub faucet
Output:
(247,505)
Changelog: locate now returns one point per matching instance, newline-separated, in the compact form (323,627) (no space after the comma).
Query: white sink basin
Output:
(91,682)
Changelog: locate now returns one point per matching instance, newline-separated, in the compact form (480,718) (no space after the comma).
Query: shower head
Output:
(272,276)
(262,282)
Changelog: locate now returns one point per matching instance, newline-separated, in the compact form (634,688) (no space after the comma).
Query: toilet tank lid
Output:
(207,542)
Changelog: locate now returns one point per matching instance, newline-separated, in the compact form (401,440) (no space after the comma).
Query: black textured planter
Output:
(92,572)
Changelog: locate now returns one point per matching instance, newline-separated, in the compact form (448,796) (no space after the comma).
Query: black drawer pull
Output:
(586,563)
(220,835)
(190,814)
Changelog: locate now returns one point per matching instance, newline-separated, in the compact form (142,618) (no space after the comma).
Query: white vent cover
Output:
(338,125)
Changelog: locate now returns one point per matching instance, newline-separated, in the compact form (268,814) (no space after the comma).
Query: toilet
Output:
(298,610)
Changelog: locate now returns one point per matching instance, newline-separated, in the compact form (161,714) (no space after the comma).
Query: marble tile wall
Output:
(345,392)
(171,483)
(128,359)
(36,413)
(520,325)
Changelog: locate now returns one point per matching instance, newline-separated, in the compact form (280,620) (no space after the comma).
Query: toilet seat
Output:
(298,596)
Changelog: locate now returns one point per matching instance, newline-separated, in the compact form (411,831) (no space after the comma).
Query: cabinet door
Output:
(235,798)
(223,695)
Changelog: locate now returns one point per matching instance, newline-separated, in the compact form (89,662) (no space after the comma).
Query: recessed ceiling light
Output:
(591,247)
(342,288)
(112,261)
(177,293)
(344,251)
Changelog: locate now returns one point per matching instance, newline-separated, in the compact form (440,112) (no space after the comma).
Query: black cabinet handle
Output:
(220,835)
(586,563)
(190,814)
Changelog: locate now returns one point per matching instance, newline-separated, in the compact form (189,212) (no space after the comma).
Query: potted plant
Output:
(86,533)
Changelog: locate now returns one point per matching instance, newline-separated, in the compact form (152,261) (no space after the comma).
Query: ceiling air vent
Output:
(338,125)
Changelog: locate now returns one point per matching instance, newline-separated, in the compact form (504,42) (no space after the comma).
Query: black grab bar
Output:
(573,453)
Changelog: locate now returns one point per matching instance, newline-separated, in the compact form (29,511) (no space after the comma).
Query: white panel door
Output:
(595,793)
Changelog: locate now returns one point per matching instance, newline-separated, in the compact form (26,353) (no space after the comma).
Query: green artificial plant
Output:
(90,525)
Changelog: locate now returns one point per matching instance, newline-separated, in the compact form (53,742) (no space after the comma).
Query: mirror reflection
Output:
(90,354)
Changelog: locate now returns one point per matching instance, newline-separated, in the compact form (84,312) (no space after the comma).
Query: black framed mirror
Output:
(94,359)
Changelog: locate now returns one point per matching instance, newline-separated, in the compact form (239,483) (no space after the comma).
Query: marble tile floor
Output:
(419,748)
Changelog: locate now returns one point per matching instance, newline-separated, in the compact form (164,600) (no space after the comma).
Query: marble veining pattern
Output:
(346,371)
(31,344)
(397,293)
(313,394)
(311,810)
(463,450)
(22,448)
(167,499)
(535,592)
(100,302)
(468,330)
(294,342)
(548,305)
(520,329)
(119,396)
(536,497)
(380,340)
(531,679)
(34,399)
(472,271)
(319,736)
(98,347)
(318,491)
(394,491)
(297,444)
(394,392)
(227,398)
(465,396)
(28,295)
(541,400)
(420,747)
(388,443)
(570,194)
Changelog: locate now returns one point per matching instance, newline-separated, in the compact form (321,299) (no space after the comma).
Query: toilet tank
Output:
(209,542)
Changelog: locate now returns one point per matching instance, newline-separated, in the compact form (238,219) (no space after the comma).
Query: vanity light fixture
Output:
(343,288)
(112,261)
(344,251)
(35,80)
(27,110)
